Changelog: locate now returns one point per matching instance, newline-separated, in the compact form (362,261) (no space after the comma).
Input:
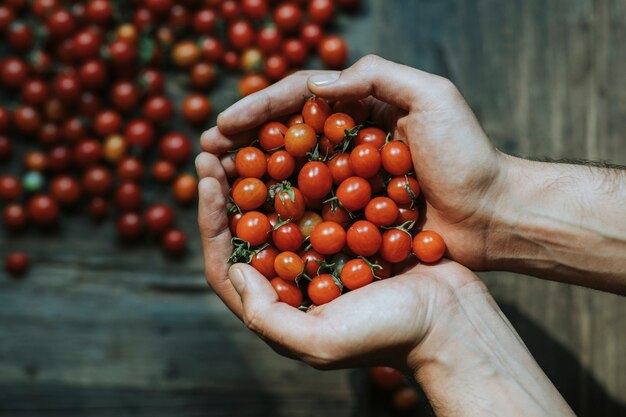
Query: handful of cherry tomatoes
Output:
(325,203)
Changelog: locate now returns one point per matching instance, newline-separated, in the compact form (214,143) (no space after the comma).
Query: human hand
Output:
(459,170)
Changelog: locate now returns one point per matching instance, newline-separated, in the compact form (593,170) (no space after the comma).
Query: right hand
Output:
(461,174)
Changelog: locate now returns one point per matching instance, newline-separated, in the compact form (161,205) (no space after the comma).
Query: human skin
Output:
(494,212)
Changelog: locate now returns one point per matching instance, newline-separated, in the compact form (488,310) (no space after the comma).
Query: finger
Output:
(392,83)
(273,320)
(284,97)
(215,142)
(216,241)
(228,165)
(209,165)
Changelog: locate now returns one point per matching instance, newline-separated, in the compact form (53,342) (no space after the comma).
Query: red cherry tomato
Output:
(315,180)
(403,190)
(365,160)
(396,158)
(175,147)
(269,39)
(158,109)
(163,171)
(249,193)
(107,123)
(66,190)
(287,17)
(241,34)
(185,189)
(295,51)
(354,193)
(386,378)
(340,168)
(288,265)
(281,165)
(287,292)
(336,125)
(16,263)
(174,242)
(428,246)
(300,139)
(272,135)
(97,180)
(323,289)
(328,238)
(405,399)
(386,268)
(289,206)
(370,135)
(333,51)
(128,196)
(321,11)
(335,214)
(14,216)
(203,75)
(287,237)
(254,228)
(87,152)
(356,273)
(43,210)
(263,261)
(159,218)
(130,169)
(406,213)
(382,211)
(396,245)
(363,238)
(251,83)
(196,109)
(315,112)
(10,187)
(312,261)
(251,162)
(130,226)
(204,21)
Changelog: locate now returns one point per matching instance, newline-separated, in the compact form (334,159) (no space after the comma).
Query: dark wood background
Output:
(99,329)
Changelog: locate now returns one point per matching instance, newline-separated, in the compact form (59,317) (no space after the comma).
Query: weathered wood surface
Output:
(104,330)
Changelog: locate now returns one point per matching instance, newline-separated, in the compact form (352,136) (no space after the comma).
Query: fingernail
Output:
(324,79)
(237,279)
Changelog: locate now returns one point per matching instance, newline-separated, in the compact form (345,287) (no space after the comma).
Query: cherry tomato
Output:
(403,190)
(97,180)
(139,132)
(333,51)
(251,162)
(10,187)
(281,165)
(159,218)
(382,211)
(312,261)
(174,242)
(428,246)
(396,158)
(396,245)
(130,226)
(233,219)
(276,67)
(336,125)
(27,120)
(289,207)
(406,213)
(288,265)
(308,222)
(212,49)
(185,54)
(14,72)
(287,292)
(203,75)
(311,34)
(255,9)
(196,109)
(386,268)
(98,207)
(87,43)
(59,159)
(16,263)
(356,273)
(241,34)
(335,214)
(315,180)
(287,17)
(20,37)
(263,261)
(153,81)
(163,171)
(386,378)
(357,110)
(99,12)
(295,120)
(175,147)
(185,189)
(204,21)
(363,238)
(14,216)
(354,193)
(107,122)
(323,289)
(251,83)
(125,96)
(130,169)
(249,194)
(405,399)
(122,52)
(365,161)
(295,51)
(87,152)
(300,139)
(269,39)
(370,135)
(321,11)
(328,238)
(66,190)
(128,196)
(315,112)
(158,109)
(272,135)
(7,17)
(43,210)
(340,168)
(254,228)
(6,148)
(34,92)
(287,237)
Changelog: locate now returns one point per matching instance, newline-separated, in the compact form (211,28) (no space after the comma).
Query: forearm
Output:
(473,363)
(562,222)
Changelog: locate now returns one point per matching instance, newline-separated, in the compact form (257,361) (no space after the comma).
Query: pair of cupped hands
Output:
(395,322)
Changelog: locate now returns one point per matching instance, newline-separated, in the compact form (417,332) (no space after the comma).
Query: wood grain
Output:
(99,329)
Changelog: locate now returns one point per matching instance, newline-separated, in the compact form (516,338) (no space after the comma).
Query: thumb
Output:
(392,83)
(253,288)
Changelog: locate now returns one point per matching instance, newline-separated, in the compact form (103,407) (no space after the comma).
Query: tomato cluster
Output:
(326,202)
(89,95)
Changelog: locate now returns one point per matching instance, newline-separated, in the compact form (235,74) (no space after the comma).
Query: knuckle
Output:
(368,61)
(446,87)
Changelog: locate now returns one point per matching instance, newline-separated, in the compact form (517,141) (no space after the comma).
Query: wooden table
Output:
(99,329)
